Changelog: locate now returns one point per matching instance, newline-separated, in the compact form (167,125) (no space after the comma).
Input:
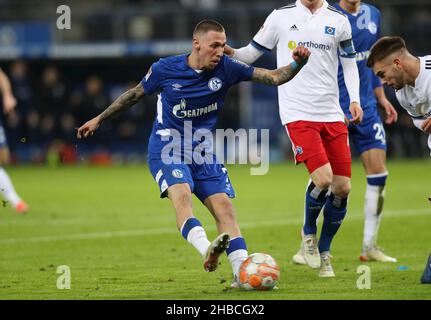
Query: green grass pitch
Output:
(120,240)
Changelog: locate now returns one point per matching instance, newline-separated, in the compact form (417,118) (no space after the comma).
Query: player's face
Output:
(210,48)
(309,3)
(390,71)
(351,2)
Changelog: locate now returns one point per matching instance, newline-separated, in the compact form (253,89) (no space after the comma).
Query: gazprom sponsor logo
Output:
(180,111)
(309,44)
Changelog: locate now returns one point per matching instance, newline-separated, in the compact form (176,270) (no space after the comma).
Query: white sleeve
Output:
(345,30)
(267,37)
(351,78)
(248,54)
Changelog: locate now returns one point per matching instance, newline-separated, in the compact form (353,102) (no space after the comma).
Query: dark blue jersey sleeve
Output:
(375,79)
(237,71)
(152,81)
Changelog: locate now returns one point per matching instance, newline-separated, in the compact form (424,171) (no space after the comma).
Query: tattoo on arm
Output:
(274,77)
(123,102)
(264,76)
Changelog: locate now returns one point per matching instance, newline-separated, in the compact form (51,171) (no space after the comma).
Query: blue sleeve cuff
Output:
(259,46)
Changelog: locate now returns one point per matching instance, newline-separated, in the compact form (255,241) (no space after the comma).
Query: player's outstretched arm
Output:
(9,101)
(248,54)
(284,74)
(121,104)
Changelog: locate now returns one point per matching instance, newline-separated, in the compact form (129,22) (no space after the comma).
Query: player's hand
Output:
(346,120)
(391,113)
(228,51)
(88,128)
(300,55)
(9,103)
(426,125)
(357,113)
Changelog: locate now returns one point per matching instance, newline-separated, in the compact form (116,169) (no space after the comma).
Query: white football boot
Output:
(326,270)
(376,254)
(298,258)
(311,252)
(216,248)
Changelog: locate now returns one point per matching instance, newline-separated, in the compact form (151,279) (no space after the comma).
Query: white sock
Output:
(7,189)
(236,258)
(374,197)
(197,237)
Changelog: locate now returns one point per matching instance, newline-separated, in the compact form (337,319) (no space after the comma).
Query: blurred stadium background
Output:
(62,78)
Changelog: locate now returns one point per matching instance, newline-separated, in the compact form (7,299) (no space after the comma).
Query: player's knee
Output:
(323,177)
(324,181)
(342,190)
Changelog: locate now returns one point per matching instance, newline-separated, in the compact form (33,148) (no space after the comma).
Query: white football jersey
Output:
(417,100)
(313,93)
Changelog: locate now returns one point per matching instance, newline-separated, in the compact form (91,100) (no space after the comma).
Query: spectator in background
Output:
(21,82)
(53,94)
(53,98)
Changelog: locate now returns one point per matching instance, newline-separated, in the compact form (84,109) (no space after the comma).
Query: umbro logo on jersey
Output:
(176,86)
(294,28)
(428,64)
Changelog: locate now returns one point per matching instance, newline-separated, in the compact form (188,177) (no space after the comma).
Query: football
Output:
(259,271)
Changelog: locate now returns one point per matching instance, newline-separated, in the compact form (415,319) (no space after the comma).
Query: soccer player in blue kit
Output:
(369,135)
(191,90)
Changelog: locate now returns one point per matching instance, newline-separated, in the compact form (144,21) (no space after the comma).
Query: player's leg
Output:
(335,209)
(374,161)
(223,212)
(308,148)
(6,187)
(426,275)
(213,188)
(370,142)
(333,215)
(176,183)
(191,228)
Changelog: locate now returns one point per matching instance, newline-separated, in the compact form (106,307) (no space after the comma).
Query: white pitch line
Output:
(159,231)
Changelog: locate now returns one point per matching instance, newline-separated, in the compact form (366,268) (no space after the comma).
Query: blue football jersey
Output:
(185,94)
(365,32)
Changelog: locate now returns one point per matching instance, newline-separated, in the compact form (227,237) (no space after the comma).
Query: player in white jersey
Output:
(410,76)
(310,110)
(6,186)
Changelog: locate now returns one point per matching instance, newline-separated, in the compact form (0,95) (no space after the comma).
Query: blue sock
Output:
(236,253)
(314,200)
(237,243)
(333,214)
(195,234)
(377,179)
(189,225)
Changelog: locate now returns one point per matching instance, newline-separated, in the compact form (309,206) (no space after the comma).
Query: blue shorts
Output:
(3,141)
(370,133)
(204,179)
